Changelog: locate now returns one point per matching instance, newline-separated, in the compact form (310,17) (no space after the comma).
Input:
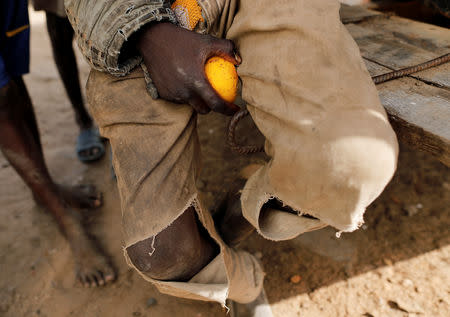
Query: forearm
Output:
(103,28)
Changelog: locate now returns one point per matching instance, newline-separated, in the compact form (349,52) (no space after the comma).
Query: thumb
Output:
(227,50)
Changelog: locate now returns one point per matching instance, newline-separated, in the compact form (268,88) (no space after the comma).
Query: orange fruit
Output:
(223,77)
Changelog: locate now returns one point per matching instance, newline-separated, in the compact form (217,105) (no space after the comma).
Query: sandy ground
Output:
(396,265)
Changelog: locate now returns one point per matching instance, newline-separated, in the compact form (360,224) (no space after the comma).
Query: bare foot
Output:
(78,196)
(92,268)
(81,196)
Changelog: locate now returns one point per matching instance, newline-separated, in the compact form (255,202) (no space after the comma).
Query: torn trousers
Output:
(331,148)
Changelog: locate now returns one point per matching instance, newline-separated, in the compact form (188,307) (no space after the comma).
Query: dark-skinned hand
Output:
(176,57)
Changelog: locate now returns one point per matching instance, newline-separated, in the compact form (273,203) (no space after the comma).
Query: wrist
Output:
(150,34)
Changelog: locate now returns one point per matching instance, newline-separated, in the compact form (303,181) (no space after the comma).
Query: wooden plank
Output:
(440,76)
(418,103)
(418,108)
(426,36)
(386,49)
(353,14)
(390,49)
(375,69)
(419,113)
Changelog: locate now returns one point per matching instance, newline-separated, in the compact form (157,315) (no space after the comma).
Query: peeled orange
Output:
(223,77)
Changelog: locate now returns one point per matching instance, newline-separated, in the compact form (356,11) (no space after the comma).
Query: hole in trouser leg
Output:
(178,252)
(281,222)
(233,274)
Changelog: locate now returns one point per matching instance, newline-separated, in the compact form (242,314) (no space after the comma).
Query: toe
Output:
(109,275)
(90,197)
(97,201)
(100,278)
(80,280)
(86,281)
(94,281)
(94,196)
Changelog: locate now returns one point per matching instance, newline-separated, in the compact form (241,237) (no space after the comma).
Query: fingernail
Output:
(237,57)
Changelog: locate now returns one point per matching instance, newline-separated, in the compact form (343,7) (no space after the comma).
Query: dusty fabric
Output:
(156,159)
(332,149)
(103,27)
(52,6)
(346,141)
(308,91)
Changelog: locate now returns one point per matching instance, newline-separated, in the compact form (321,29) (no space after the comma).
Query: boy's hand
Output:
(175,59)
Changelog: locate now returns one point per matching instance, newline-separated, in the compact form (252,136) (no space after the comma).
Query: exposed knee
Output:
(176,253)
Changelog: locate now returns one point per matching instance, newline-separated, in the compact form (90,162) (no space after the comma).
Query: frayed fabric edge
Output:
(324,221)
(194,202)
(218,291)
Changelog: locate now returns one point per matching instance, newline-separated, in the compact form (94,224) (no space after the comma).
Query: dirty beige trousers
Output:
(332,149)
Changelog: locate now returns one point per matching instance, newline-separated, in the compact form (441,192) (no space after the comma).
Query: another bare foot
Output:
(78,196)
(81,196)
(92,268)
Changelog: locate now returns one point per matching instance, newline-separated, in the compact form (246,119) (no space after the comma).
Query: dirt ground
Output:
(397,264)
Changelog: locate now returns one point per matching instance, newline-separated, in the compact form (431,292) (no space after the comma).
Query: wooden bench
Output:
(418,105)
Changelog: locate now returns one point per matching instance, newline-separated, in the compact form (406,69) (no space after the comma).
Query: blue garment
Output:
(14,40)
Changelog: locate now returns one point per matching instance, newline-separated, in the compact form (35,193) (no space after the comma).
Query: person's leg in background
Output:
(19,142)
(90,146)
(21,146)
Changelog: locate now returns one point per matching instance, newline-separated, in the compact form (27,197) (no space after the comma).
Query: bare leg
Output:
(176,253)
(28,114)
(81,196)
(19,142)
(61,37)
